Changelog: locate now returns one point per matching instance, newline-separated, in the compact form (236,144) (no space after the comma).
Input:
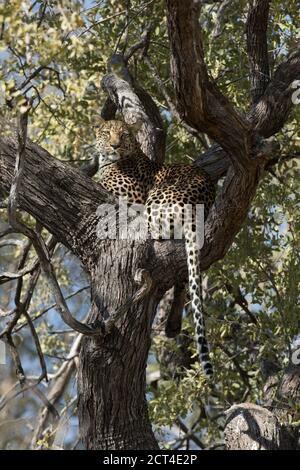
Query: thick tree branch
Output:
(36,239)
(257,47)
(198,100)
(136,106)
(122,94)
(252,427)
(271,112)
(170,104)
(59,196)
(223,223)
(215,161)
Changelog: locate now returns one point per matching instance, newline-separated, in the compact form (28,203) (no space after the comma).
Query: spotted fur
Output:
(127,172)
(124,169)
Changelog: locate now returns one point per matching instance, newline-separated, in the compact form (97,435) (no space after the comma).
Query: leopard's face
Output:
(115,140)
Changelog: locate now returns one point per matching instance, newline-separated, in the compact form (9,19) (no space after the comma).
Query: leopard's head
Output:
(115,139)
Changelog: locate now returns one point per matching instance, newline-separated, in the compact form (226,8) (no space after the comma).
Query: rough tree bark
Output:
(111,381)
(267,427)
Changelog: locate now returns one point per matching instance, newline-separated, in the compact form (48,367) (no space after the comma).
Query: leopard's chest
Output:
(130,179)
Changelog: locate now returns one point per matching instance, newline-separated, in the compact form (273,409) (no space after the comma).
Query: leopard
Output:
(124,170)
(166,190)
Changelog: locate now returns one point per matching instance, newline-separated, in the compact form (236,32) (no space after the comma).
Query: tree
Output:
(53,57)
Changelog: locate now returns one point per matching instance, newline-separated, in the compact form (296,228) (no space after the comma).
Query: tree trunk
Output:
(111,382)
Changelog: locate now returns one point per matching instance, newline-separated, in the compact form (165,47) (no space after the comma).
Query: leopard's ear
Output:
(97,121)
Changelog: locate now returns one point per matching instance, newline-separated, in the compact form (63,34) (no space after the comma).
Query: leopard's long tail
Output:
(195,289)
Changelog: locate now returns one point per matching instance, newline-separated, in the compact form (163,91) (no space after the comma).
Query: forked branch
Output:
(199,102)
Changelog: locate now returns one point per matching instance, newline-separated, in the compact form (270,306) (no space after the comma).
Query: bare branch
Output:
(189,434)
(50,307)
(142,44)
(37,240)
(18,172)
(29,384)
(58,385)
(217,31)
(240,300)
(11,241)
(37,72)
(215,161)
(16,358)
(103,20)
(37,346)
(243,374)
(277,159)
(256,427)
(69,195)
(8,276)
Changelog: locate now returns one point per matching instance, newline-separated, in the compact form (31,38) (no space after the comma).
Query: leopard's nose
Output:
(116,145)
